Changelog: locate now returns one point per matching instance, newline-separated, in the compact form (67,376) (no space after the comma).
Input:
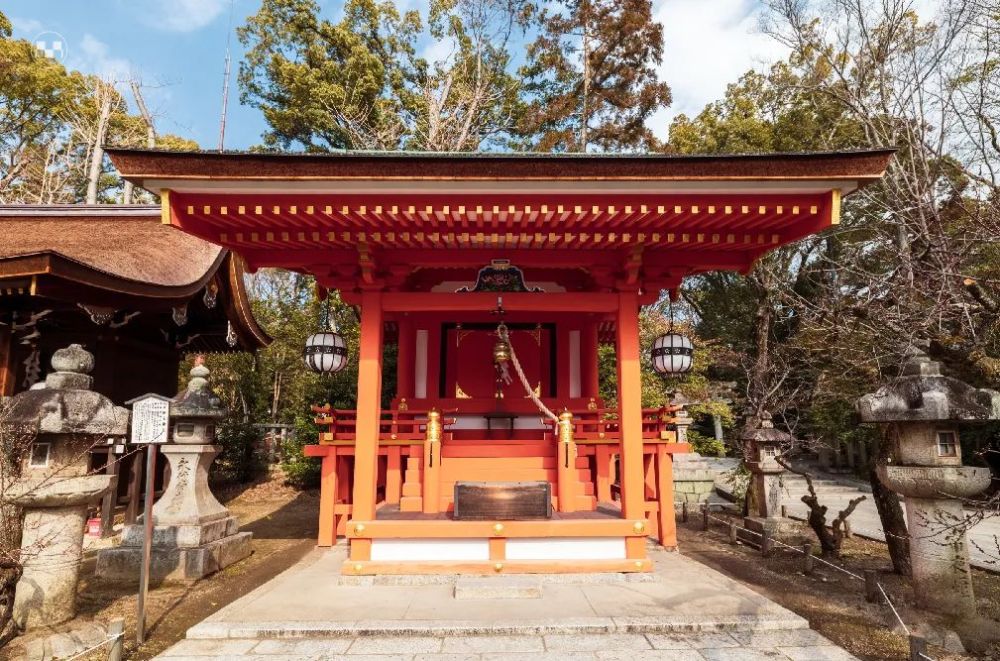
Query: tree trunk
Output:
(97,153)
(890,512)
(585,110)
(129,191)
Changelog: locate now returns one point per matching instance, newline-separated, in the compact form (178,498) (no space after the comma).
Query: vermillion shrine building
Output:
(497,454)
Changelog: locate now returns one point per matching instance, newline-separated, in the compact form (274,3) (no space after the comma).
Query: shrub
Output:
(706,446)
(301,471)
(240,460)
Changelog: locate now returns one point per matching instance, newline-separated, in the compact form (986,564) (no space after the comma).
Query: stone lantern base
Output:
(179,553)
(755,529)
(193,534)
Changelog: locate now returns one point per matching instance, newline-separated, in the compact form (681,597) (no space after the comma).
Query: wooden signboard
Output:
(150,419)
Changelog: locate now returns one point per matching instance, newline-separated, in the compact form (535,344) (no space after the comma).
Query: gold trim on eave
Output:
(165,206)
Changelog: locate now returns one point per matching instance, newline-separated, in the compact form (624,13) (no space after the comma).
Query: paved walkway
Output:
(984,537)
(796,645)
(683,611)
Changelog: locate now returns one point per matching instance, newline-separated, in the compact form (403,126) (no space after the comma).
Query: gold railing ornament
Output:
(432,462)
(434,427)
(566,426)
(567,481)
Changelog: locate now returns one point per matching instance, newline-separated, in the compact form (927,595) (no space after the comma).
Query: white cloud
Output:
(183,15)
(94,56)
(27,27)
(707,45)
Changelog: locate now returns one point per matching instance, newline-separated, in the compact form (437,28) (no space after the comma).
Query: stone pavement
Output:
(683,611)
(794,645)
(836,493)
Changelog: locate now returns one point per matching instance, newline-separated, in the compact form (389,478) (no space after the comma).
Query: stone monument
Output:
(193,535)
(919,411)
(65,419)
(762,446)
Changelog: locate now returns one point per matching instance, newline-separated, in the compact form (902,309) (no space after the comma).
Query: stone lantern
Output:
(762,445)
(919,412)
(193,535)
(64,419)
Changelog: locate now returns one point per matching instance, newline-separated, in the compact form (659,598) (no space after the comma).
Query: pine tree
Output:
(591,77)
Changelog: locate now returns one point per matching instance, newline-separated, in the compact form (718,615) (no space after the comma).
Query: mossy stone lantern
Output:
(919,412)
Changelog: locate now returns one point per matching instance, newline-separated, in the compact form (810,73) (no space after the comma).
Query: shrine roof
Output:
(372,215)
(127,242)
(119,256)
(168,169)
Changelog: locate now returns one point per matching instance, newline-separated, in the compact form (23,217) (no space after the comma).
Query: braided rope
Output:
(502,333)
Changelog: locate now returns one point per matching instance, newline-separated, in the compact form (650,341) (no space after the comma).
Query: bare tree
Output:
(140,102)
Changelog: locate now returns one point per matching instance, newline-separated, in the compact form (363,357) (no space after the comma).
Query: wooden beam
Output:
(512,302)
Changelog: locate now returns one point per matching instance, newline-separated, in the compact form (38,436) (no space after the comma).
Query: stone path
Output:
(836,494)
(684,611)
(794,645)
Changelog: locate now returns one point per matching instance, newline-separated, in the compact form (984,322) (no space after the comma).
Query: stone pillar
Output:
(920,411)
(54,488)
(193,533)
(939,550)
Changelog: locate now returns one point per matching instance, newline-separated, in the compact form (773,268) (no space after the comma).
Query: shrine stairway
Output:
(510,461)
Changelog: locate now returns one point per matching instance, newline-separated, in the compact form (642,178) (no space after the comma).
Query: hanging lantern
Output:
(673,353)
(326,351)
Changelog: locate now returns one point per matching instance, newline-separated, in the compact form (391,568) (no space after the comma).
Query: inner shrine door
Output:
(469,371)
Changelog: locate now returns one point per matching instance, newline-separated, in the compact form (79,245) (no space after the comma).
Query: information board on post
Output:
(150,427)
(150,419)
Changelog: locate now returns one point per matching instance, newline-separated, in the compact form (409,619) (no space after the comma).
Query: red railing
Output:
(395,424)
(595,425)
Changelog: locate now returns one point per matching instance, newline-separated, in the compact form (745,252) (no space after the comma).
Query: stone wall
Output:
(694,476)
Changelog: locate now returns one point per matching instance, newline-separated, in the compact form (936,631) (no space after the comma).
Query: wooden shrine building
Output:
(112,278)
(137,294)
(463,472)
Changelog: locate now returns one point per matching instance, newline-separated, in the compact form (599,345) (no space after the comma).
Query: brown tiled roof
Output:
(138,165)
(125,242)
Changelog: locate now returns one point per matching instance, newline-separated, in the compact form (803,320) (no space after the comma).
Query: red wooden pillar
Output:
(667,524)
(328,498)
(368,407)
(630,399)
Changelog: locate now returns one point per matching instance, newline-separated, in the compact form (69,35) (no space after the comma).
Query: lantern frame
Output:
(672,353)
(325,352)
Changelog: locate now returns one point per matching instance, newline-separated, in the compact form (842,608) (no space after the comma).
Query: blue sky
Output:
(177,49)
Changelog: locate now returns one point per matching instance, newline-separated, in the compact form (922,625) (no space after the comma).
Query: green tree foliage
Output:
(49,119)
(358,83)
(36,95)
(320,83)
(591,77)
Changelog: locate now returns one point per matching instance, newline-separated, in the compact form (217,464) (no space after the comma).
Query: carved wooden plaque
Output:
(502,501)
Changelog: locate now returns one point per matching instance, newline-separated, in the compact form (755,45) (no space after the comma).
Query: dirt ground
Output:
(283,523)
(833,602)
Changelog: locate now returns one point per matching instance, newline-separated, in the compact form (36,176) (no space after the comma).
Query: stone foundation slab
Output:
(173,565)
(182,535)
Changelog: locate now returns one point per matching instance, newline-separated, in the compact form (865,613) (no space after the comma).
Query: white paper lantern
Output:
(672,353)
(326,352)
